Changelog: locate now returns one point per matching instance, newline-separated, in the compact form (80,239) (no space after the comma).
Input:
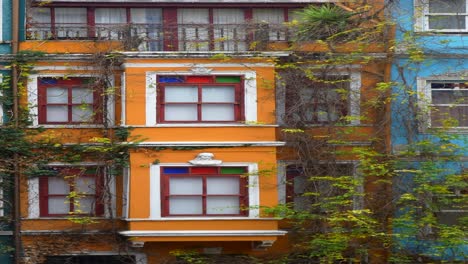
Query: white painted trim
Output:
(151,98)
(212,143)
(155,192)
(123,100)
(6,233)
(155,189)
(33,198)
(126,191)
(192,65)
(355,97)
(250,91)
(204,233)
(32,91)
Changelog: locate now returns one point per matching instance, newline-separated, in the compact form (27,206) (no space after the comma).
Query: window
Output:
(322,185)
(68,101)
(171,28)
(200,99)
(443,15)
(325,100)
(448,102)
(71,190)
(204,191)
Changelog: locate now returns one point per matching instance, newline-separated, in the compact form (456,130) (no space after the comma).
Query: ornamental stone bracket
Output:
(205,159)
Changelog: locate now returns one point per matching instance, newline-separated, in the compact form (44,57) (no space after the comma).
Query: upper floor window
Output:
(68,101)
(155,29)
(448,103)
(321,185)
(204,191)
(323,100)
(443,15)
(200,99)
(71,190)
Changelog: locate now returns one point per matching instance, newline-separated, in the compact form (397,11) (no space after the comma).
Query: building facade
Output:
(163,121)
(429,122)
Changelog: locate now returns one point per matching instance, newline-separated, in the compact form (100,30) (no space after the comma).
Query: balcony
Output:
(157,37)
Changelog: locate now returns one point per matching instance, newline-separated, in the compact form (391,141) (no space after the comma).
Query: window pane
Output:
(222,205)
(85,205)
(229,29)
(58,185)
(447,22)
(181,112)
(224,94)
(184,94)
(185,205)
(82,113)
(110,15)
(39,27)
(82,95)
(59,205)
(185,185)
(193,28)
(218,112)
(447,6)
(450,97)
(222,185)
(146,25)
(71,22)
(85,185)
(56,113)
(440,114)
(57,95)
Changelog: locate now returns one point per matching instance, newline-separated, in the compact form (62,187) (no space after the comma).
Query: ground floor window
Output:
(90,259)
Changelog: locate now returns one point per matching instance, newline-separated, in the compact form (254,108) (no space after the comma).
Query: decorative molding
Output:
(205,159)
(200,70)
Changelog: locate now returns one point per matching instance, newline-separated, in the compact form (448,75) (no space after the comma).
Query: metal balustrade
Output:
(157,37)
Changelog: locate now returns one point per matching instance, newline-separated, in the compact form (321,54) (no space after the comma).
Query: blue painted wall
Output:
(442,55)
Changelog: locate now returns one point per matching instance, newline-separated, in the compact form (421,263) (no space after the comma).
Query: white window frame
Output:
(354,96)
(155,191)
(421,14)
(250,94)
(33,191)
(34,109)
(425,101)
(358,201)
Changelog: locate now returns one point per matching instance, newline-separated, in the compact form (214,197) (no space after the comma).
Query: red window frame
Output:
(204,81)
(70,174)
(45,83)
(204,173)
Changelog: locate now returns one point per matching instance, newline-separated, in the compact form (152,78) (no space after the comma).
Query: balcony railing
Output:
(156,37)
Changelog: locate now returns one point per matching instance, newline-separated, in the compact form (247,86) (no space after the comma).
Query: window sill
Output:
(219,218)
(453,130)
(205,125)
(69,126)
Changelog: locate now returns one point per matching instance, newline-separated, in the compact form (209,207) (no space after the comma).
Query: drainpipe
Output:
(14,87)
